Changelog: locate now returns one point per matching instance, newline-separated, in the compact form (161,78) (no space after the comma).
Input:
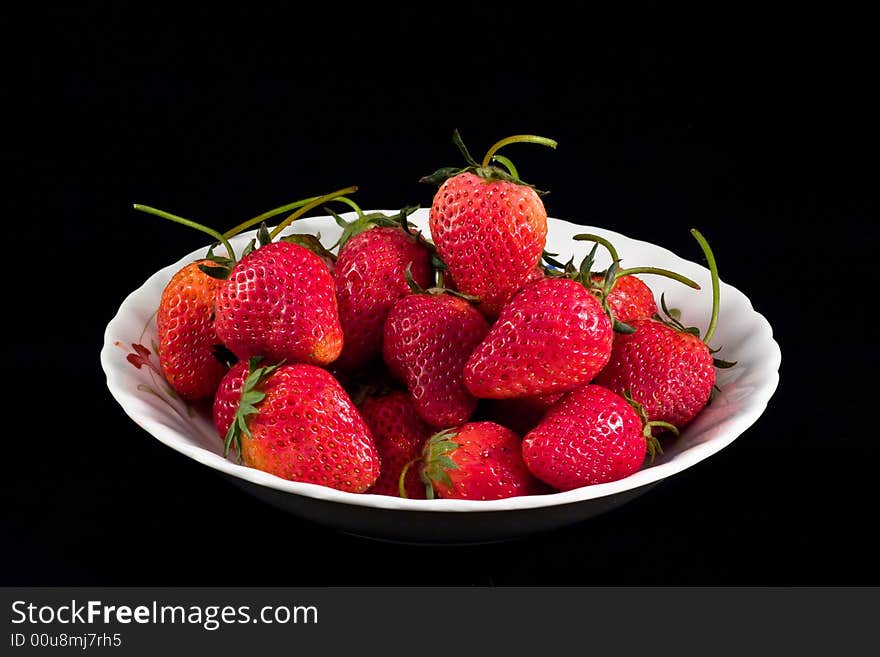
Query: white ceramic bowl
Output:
(746,337)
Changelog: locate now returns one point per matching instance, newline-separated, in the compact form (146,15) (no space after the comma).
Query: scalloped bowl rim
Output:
(133,406)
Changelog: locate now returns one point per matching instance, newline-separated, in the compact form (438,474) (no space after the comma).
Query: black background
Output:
(759,129)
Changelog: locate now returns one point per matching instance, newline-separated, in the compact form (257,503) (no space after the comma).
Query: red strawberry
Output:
(427,340)
(629,298)
(522,414)
(279,302)
(187,340)
(489,227)
(369,278)
(623,296)
(477,461)
(591,436)
(296,422)
(669,372)
(259,317)
(553,336)
(666,367)
(228,396)
(399,434)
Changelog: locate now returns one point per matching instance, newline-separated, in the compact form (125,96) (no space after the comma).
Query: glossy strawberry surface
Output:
(488,465)
(187,339)
(630,298)
(553,336)
(227,397)
(490,234)
(369,278)
(279,302)
(305,429)
(591,436)
(427,340)
(670,373)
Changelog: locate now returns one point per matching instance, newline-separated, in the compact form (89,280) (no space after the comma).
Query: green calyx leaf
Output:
(550,260)
(263,234)
(221,267)
(636,406)
(442,174)
(413,285)
(437,289)
(485,169)
(364,222)
(652,444)
(251,396)
(672,319)
(607,279)
(599,284)
(723,364)
(249,248)
(310,242)
(220,273)
(437,462)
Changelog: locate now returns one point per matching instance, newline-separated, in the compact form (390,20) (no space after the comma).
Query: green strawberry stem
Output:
(507,164)
(716,287)
(414,287)
(188,222)
(589,237)
(659,272)
(267,215)
(310,206)
(652,444)
(354,206)
(664,425)
(485,170)
(516,139)
(401,481)
(281,210)
(439,288)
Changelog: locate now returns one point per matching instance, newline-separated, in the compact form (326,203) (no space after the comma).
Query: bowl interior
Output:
(135,382)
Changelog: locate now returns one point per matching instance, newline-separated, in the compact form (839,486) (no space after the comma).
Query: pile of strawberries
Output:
(473,366)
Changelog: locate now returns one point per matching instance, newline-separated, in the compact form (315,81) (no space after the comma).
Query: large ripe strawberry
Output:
(665,366)
(369,277)
(279,300)
(552,336)
(296,422)
(489,227)
(188,339)
(476,461)
(555,334)
(591,436)
(427,340)
(279,303)
(188,343)
(399,434)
